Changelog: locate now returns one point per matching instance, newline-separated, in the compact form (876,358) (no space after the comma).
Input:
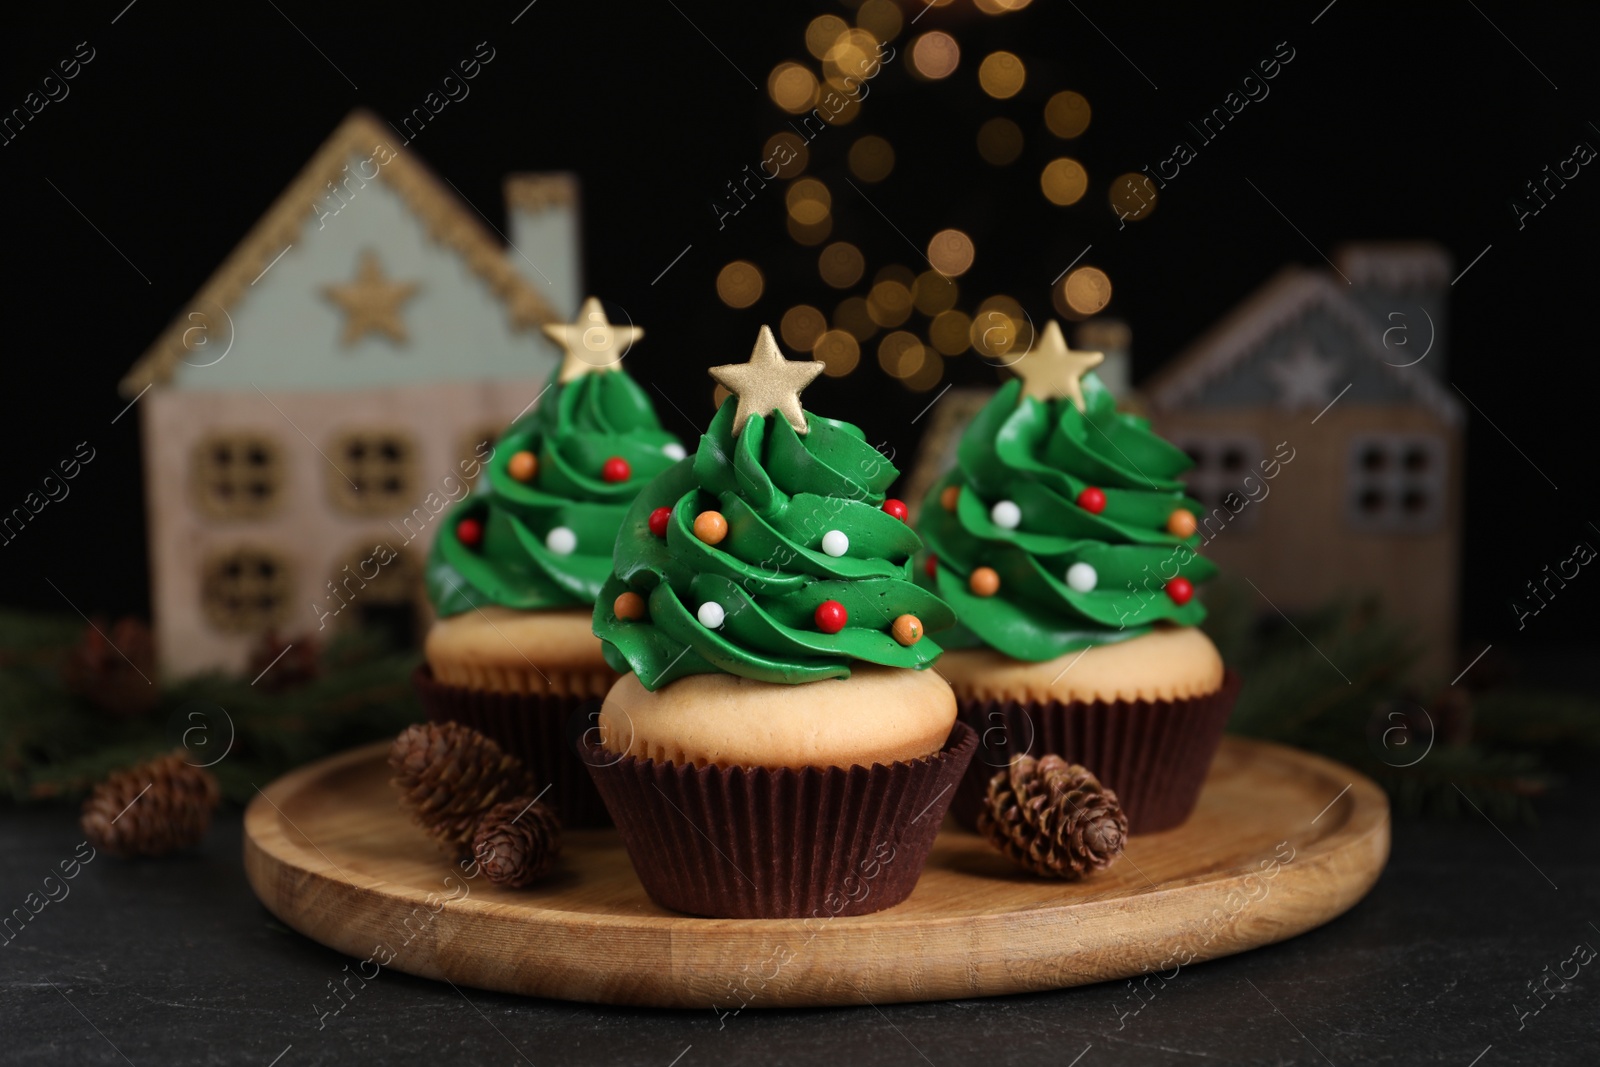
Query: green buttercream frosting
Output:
(577,426)
(780,492)
(1040,455)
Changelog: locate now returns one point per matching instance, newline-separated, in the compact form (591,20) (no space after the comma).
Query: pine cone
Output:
(1053,818)
(517,841)
(114,672)
(449,775)
(152,809)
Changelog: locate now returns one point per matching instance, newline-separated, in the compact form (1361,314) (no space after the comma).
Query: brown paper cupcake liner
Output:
(1154,754)
(744,843)
(540,730)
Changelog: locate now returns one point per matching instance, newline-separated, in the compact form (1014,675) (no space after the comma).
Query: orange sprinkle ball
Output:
(948,498)
(523,466)
(907,629)
(629,606)
(710,527)
(985,581)
(1181,523)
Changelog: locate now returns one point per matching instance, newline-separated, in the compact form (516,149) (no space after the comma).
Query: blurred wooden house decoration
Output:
(332,387)
(1327,447)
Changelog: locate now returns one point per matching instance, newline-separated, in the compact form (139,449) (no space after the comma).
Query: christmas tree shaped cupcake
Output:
(1066,546)
(517,565)
(779,747)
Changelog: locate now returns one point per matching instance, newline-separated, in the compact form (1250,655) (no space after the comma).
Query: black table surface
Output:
(174,962)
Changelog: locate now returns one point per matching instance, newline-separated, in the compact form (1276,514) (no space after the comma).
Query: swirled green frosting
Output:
(1040,455)
(576,427)
(780,493)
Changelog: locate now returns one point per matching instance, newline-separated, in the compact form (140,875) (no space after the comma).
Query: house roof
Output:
(447,219)
(1290,294)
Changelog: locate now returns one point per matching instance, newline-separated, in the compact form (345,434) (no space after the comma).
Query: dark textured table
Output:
(174,962)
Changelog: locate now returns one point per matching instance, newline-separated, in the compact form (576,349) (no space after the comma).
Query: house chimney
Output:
(543,213)
(1113,337)
(1403,286)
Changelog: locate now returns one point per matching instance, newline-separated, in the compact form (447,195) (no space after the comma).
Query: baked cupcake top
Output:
(1063,524)
(771,553)
(537,532)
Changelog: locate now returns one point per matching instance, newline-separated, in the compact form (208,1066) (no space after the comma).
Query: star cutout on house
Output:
(767,382)
(1303,378)
(371,303)
(590,344)
(1052,370)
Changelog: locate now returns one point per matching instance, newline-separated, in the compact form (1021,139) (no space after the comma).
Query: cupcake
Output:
(1066,546)
(517,565)
(778,746)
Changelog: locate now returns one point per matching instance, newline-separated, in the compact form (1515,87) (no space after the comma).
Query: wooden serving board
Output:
(1282,841)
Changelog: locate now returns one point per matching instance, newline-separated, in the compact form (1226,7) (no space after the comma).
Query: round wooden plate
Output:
(1282,842)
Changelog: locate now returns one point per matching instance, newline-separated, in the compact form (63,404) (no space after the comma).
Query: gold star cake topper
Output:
(1053,370)
(591,345)
(767,382)
(371,303)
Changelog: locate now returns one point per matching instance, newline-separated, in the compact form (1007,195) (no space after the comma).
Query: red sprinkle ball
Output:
(469,532)
(616,469)
(658,521)
(1181,590)
(932,567)
(1092,500)
(897,508)
(831,616)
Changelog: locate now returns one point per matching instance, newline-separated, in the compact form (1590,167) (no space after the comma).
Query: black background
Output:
(1393,121)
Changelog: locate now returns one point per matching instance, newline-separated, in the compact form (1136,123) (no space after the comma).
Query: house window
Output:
(237,475)
(245,590)
(1221,464)
(1395,482)
(377,472)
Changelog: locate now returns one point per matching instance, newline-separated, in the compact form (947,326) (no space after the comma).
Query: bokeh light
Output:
(871,158)
(889,303)
(841,110)
(935,55)
(948,332)
(1000,141)
(1087,290)
(881,18)
(848,60)
(792,87)
(786,154)
(841,264)
(901,354)
(823,31)
(851,316)
(927,375)
(739,284)
(1002,74)
(1067,114)
(802,325)
(838,351)
(894,272)
(1064,181)
(934,292)
(808,201)
(951,252)
(1132,197)
(1000,328)
(814,234)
